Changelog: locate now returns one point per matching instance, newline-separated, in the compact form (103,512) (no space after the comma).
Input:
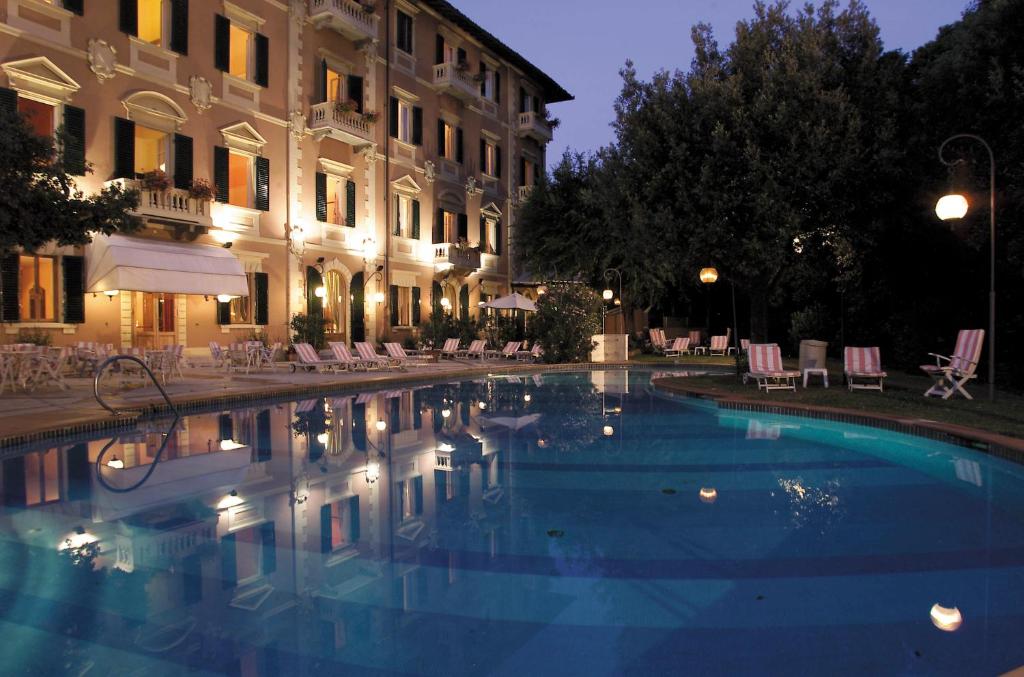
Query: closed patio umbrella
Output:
(514,301)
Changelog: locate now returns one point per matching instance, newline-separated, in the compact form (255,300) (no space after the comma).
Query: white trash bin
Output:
(812,354)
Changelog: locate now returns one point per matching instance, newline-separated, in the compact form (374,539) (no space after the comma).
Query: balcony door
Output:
(154,320)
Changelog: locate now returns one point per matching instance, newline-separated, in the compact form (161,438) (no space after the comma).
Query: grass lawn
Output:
(903,396)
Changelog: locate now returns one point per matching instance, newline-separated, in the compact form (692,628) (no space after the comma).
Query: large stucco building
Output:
(367,159)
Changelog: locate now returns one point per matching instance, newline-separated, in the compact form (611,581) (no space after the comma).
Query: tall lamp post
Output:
(954,206)
(710,276)
(609,295)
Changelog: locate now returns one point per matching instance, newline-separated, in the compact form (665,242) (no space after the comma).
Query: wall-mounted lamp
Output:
(224,298)
(111,293)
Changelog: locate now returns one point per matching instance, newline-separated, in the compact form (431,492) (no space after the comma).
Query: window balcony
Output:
(172,206)
(460,259)
(346,17)
(326,119)
(449,79)
(534,126)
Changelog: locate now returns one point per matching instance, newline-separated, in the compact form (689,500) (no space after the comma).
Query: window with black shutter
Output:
(415,219)
(437,232)
(74,141)
(128,17)
(356,312)
(497,161)
(314,280)
(268,540)
(8,100)
(461,56)
(10,309)
(393,117)
(436,293)
(220,172)
(179,26)
(223,312)
(262,201)
(404,32)
(264,438)
(497,237)
(321,196)
(483,156)
(261,46)
(439,50)
(497,86)
(228,562)
(415,306)
(463,221)
(464,301)
(221,43)
(73,303)
(394,305)
(417,126)
(182,161)
(261,302)
(458,145)
(350,203)
(76,6)
(441,126)
(124,149)
(355,91)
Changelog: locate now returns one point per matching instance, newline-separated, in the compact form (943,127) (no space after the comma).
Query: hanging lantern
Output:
(708,275)
(372,472)
(608,295)
(951,207)
(381,425)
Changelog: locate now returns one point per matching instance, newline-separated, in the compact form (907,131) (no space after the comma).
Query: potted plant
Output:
(371,116)
(156,181)
(347,106)
(368,7)
(202,189)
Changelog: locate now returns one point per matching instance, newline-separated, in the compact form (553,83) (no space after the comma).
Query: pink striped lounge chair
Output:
(767,370)
(949,378)
(863,368)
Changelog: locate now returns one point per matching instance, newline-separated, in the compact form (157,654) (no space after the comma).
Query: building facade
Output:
(360,160)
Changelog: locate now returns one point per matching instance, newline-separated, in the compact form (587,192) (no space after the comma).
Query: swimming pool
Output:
(575,523)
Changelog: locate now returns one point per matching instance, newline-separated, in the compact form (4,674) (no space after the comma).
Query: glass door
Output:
(153,320)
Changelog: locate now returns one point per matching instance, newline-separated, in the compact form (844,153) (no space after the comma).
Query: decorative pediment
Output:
(156,110)
(407,185)
(451,199)
(335,168)
(244,137)
(40,76)
(492,210)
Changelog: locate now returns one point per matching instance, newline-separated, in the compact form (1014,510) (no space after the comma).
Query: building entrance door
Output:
(153,320)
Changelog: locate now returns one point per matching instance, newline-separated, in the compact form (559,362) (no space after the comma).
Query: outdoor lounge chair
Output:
(508,352)
(397,352)
(309,359)
(367,353)
(658,341)
(343,355)
(477,348)
(766,368)
(531,355)
(863,364)
(744,345)
(451,348)
(950,378)
(679,346)
(719,345)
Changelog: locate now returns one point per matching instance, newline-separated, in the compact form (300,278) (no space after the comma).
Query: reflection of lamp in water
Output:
(445,413)
(77,539)
(115,463)
(708,494)
(946,619)
(229,501)
(527,397)
(323,438)
(542,443)
(608,431)
(372,472)
(482,405)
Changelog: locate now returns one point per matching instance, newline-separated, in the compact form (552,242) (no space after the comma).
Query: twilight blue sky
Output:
(584,43)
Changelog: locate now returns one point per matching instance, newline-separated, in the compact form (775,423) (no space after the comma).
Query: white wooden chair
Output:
(863,368)
(950,378)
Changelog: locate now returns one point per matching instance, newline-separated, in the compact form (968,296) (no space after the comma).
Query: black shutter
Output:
(435,296)
(497,237)
(522,171)
(483,78)
(522,100)
(440,137)
(261,304)
(225,427)
(497,86)
(393,118)
(458,145)
(326,544)
(464,301)
(483,234)
(439,50)
(79,476)
(314,306)
(483,156)
(73,272)
(497,161)
(220,172)
(417,126)
(415,219)
(76,6)
(356,311)
(359,424)
(74,142)
(415,306)
(396,228)
(223,313)
(269,541)
(323,81)
(261,46)
(228,568)
(182,161)
(192,578)
(350,203)
(8,101)
(394,306)
(264,438)
(417,490)
(353,518)
(128,18)
(536,104)
(355,91)
(221,43)
(417,409)
(463,227)
(124,149)
(437,233)
(263,184)
(461,55)
(395,418)
(321,196)
(179,26)
(10,310)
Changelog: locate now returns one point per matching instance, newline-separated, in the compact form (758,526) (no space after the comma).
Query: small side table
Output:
(700,350)
(819,371)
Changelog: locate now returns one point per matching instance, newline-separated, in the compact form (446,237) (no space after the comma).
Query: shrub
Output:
(309,329)
(441,326)
(37,337)
(567,318)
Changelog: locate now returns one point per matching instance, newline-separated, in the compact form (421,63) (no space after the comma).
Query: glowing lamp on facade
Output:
(229,501)
(381,425)
(323,438)
(79,538)
(224,298)
(230,445)
(527,397)
(446,304)
(222,236)
(951,207)
(708,275)
(320,292)
(369,248)
(372,472)
(445,413)
(708,494)
(111,293)
(945,618)
(378,297)
(607,294)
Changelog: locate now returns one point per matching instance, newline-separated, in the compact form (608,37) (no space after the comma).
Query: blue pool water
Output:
(566,524)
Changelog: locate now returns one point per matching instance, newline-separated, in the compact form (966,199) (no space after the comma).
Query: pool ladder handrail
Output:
(132,358)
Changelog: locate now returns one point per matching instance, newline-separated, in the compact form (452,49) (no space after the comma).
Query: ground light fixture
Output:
(708,494)
(947,619)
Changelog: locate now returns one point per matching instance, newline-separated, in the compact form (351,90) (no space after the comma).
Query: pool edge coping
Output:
(995,444)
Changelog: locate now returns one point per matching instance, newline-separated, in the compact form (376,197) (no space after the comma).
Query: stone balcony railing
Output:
(534,126)
(346,17)
(448,256)
(459,83)
(523,193)
(174,204)
(326,119)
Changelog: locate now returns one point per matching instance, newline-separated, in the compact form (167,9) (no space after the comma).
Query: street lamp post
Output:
(955,207)
(609,295)
(710,276)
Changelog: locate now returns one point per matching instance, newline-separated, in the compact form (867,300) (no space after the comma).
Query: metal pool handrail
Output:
(132,358)
(152,466)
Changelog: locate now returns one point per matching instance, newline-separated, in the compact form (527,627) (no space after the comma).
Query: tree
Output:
(39,201)
(568,316)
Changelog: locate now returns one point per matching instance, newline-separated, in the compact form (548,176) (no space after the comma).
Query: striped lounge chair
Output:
(451,348)
(310,361)
(477,348)
(863,368)
(719,345)
(679,346)
(766,368)
(366,352)
(949,378)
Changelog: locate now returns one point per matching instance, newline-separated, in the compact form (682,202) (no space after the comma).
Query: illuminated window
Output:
(37,280)
(404,122)
(490,159)
(334,302)
(239,180)
(242,306)
(239,57)
(151,21)
(341,525)
(489,234)
(335,200)
(451,227)
(334,84)
(448,149)
(40,116)
(151,149)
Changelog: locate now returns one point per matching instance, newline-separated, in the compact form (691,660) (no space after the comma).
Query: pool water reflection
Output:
(565,524)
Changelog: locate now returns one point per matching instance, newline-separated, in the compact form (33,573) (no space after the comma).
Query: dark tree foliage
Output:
(39,202)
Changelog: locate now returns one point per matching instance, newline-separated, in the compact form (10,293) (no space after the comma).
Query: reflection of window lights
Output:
(404,121)
(341,525)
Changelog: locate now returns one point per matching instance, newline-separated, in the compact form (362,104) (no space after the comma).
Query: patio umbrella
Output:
(514,301)
(513,422)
